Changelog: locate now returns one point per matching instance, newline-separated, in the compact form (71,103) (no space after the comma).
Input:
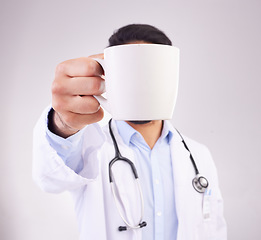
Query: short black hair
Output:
(138,32)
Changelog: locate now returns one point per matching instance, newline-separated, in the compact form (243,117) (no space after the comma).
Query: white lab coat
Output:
(95,208)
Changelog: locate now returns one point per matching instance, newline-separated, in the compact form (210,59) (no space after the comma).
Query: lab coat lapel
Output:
(186,197)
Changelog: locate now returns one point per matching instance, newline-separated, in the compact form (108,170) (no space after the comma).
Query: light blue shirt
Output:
(154,167)
(155,171)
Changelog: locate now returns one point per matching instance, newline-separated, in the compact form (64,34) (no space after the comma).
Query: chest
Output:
(160,190)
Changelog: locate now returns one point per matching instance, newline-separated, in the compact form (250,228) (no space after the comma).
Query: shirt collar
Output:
(167,131)
(126,131)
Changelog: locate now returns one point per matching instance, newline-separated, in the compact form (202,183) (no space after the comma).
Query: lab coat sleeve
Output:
(57,162)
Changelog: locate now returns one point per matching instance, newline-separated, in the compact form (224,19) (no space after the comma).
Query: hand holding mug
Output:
(75,83)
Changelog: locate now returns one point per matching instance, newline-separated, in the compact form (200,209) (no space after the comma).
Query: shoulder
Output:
(197,148)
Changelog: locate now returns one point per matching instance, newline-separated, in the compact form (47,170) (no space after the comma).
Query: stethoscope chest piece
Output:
(200,183)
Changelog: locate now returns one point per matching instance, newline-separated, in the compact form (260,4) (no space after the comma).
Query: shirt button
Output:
(157,181)
(159,213)
(65,147)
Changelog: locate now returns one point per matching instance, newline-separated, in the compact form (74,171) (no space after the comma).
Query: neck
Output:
(150,131)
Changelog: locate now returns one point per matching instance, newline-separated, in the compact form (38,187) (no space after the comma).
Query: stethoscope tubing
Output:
(129,226)
(190,154)
(199,182)
(119,157)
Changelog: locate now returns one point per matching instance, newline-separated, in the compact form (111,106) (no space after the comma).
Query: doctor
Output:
(72,153)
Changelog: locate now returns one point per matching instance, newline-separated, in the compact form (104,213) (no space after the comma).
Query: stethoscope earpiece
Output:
(200,183)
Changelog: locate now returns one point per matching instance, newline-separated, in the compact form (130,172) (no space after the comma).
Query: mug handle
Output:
(102,100)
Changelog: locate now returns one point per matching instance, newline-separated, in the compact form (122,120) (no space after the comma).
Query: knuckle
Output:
(90,66)
(57,87)
(60,68)
(84,66)
(93,105)
(95,85)
(89,106)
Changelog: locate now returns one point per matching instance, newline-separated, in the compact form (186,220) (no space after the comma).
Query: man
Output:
(72,153)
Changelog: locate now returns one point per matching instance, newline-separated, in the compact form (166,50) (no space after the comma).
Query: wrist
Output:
(57,126)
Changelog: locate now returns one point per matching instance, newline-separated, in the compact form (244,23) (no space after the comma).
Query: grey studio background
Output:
(218,103)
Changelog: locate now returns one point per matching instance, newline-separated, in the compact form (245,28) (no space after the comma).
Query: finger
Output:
(77,104)
(78,121)
(78,86)
(100,55)
(79,67)
(86,86)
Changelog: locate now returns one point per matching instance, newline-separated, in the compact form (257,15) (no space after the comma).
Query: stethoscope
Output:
(199,182)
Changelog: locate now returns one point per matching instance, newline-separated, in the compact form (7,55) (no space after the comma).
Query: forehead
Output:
(137,42)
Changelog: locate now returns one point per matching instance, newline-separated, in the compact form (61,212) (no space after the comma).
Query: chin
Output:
(140,122)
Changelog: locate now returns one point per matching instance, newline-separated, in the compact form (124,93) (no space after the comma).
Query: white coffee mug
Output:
(141,81)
